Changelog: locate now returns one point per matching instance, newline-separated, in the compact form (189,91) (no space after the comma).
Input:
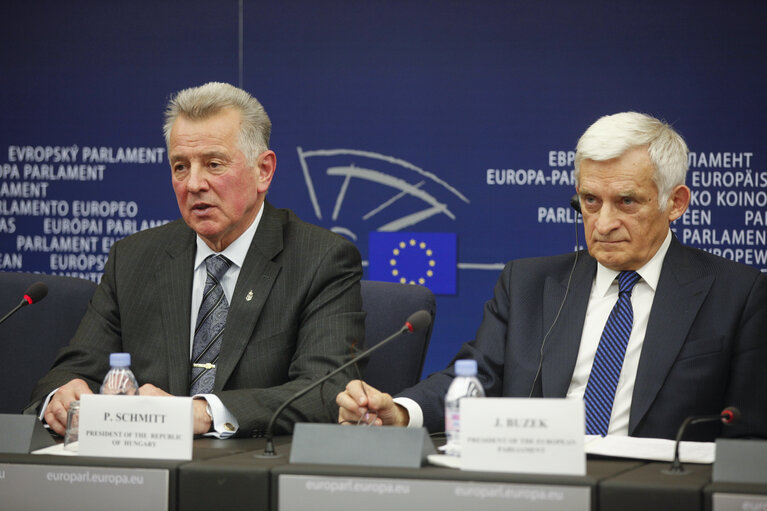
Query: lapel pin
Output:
(250,296)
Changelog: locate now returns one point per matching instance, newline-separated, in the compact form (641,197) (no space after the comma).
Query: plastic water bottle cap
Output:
(466,367)
(119,359)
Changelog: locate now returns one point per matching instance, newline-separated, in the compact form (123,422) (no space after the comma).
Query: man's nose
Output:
(607,219)
(197,179)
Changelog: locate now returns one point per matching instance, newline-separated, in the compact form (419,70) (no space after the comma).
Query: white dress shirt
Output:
(224,423)
(604,294)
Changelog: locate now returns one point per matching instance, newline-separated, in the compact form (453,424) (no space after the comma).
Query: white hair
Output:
(207,100)
(612,135)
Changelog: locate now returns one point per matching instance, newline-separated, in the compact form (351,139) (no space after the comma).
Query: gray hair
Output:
(207,100)
(612,135)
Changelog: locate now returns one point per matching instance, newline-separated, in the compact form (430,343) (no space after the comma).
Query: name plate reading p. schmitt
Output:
(535,436)
(153,427)
(329,493)
(77,488)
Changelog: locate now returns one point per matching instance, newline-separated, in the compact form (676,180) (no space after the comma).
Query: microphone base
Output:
(266,456)
(675,472)
(676,468)
(269,451)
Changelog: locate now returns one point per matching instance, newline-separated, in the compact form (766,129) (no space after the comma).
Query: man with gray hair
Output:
(237,304)
(644,329)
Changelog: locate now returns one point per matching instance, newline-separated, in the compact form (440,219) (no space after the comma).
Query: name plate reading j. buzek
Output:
(136,427)
(538,436)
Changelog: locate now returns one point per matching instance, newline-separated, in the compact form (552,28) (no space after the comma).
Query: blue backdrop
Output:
(444,116)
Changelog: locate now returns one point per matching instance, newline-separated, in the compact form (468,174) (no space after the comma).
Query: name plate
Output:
(156,427)
(535,436)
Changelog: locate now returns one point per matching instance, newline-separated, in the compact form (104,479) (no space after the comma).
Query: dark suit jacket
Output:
(705,346)
(303,316)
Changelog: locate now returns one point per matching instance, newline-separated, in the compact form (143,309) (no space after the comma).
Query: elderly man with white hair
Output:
(644,329)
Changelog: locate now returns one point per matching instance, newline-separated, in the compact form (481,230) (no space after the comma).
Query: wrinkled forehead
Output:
(632,170)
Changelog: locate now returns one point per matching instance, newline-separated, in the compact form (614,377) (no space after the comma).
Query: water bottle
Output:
(120,380)
(465,384)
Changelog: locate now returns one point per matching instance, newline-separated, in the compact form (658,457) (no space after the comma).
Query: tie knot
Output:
(217,265)
(626,281)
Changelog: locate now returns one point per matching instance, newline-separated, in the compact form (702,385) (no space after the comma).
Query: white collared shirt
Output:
(236,253)
(604,295)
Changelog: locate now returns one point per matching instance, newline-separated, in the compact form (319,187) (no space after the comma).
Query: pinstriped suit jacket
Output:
(705,346)
(304,314)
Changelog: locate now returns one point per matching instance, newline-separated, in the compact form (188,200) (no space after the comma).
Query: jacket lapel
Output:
(257,276)
(562,344)
(680,294)
(174,282)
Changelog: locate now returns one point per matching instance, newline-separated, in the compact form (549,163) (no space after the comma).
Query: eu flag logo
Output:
(425,258)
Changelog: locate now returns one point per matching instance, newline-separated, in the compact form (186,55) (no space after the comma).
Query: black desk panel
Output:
(230,474)
(239,481)
(29,481)
(647,487)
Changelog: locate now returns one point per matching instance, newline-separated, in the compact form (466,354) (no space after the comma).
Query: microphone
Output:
(728,416)
(575,203)
(416,321)
(33,294)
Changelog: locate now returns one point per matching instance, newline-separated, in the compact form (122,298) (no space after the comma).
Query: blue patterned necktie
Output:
(210,326)
(600,390)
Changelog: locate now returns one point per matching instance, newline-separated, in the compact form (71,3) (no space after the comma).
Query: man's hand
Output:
(359,399)
(202,421)
(56,413)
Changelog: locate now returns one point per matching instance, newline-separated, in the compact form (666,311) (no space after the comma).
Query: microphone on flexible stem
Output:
(34,294)
(575,203)
(416,321)
(728,416)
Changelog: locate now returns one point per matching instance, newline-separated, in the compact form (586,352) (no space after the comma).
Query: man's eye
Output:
(628,200)
(179,167)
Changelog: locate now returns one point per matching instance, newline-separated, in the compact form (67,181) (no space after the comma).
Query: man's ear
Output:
(266,164)
(678,202)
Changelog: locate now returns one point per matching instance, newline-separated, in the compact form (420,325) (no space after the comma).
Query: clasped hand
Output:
(360,402)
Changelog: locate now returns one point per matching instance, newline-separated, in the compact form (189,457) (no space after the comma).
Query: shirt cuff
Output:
(413,409)
(224,423)
(45,406)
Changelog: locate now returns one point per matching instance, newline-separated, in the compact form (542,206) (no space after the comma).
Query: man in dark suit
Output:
(285,310)
(697,340)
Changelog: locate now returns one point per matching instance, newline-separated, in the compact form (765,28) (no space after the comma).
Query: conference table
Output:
(231,474)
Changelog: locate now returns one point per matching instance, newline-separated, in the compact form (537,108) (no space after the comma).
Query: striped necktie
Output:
(210,326)
(600,389)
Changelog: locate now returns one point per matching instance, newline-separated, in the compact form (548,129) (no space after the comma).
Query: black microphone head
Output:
(730,415)
(418,320)
(575,203)
(36,292)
